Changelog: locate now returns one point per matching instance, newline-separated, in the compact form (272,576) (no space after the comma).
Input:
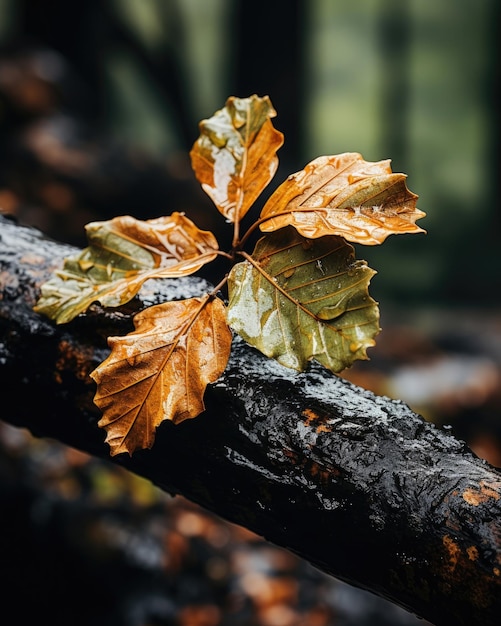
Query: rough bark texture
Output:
(356,484)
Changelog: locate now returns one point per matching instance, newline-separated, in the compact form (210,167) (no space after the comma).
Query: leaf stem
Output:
(247,234)
(218,287)
(260,221)
(228,255)
(236,234)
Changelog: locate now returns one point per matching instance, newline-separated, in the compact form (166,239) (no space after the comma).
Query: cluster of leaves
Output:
(300,295)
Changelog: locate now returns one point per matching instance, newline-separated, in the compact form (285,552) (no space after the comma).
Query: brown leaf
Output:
(123,253)
(160,371)
(344,195)
(173,243)
(235,156)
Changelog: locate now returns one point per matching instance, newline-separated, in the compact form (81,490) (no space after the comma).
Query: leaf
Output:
(235,156)
(160,371)
(344,195)
(124,252)
(299,299)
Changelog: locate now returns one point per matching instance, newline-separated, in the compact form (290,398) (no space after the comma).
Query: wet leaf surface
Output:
(344,195)
(235,156)
(160,371)
(298,299)
(123,253)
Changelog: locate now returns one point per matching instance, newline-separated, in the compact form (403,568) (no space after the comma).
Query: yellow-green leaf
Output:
(160,371)
(123,253)
(235,156)
(344,195)
(298,299)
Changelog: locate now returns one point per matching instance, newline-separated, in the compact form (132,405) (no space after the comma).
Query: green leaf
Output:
(235,156)
(124,252)
(297,299)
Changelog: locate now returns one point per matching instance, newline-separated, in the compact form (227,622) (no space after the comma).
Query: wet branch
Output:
(356,484)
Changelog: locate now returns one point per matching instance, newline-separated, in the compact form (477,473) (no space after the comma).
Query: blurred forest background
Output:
(99,107)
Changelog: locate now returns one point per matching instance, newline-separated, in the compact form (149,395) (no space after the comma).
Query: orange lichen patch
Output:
(453,553)
(312,417)
(460,571)
(77,360)
(322,428)
(472,553)
(483,493)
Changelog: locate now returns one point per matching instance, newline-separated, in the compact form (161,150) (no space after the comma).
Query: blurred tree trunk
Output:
(269,50)
(356,484)
(394,41)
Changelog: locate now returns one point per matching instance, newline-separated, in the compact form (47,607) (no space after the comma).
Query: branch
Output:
(356,484)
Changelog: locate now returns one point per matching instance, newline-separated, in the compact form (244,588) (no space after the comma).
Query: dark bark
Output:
(356,484)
